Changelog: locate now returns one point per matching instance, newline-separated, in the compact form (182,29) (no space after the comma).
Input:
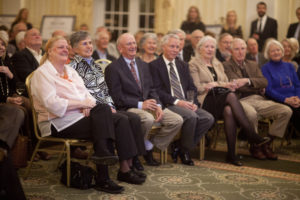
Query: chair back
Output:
(103,63)
(34,114)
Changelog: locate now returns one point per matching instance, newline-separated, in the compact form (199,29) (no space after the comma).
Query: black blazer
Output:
(161,80)
(24,63)
(122,86)
(188,52)
(292,29)
(270,31)
(108,56)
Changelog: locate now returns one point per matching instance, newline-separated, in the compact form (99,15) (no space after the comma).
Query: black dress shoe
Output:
(235,161)
(130,177)
(105,160)
(109,186)
(175,152)
(149,159)
(137,164)
(186,159)
(139,173)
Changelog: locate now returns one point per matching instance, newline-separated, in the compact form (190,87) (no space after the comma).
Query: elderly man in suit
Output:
(102,41)
(172,79)
(264,27)
(254,54)
(130,85)
(181,34)
(294,29)
(189,50)
(251,86)
(27,60)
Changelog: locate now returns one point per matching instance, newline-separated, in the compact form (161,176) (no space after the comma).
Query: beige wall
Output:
(82,9)
(169,13)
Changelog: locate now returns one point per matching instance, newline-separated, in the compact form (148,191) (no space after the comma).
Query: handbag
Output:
(215,91)
(82,177)
(19,151)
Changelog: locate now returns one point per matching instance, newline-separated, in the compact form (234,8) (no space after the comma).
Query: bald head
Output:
(126,45)
(252,46)
(21,26)
(59,33)
(33,39)
(196,36)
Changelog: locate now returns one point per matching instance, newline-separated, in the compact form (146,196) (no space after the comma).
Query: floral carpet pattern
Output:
(207,180)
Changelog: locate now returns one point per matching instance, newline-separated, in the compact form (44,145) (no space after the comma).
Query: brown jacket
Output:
(201,75)
(258,81)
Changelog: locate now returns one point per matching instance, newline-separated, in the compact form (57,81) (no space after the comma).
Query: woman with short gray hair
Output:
(148,47)
(127,126)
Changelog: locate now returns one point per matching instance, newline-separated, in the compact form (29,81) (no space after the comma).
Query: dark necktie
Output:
(260,25)
(244,72)
(132,69)
(175,84)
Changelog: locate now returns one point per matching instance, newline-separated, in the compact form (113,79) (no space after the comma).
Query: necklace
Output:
(65,76)
(1,84)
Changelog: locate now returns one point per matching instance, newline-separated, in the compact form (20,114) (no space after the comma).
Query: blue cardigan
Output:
(282,79)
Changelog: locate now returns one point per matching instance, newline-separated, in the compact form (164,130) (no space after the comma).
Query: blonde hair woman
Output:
(231,26)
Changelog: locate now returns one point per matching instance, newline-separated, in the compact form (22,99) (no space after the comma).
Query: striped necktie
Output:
(132,69)
(175,84)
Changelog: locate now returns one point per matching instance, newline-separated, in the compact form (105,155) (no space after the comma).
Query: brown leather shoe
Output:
(257,153)
(266,149)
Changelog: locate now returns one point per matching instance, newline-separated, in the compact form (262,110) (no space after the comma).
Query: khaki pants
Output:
(257,107)
(171,125)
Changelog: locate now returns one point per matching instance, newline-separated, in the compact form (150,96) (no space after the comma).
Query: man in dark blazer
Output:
(166,70)
(131,88)
(189,50)
(264,27)
(27,60)
(102,41)
(294,29)
(254,54)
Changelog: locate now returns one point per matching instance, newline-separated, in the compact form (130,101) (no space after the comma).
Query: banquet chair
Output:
(65,143)
(103,63)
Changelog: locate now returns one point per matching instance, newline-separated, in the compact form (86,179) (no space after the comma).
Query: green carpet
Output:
(211,179)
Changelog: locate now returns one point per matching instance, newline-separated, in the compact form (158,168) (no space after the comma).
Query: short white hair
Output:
(20,36)
(203,41)
(267,48)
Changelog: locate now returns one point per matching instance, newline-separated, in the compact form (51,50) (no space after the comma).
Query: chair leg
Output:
(68,163)
(202,148)
(32,158)
(60,157)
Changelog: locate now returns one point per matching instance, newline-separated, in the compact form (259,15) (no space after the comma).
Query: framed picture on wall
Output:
(215,29)
(51,23)
(7,20)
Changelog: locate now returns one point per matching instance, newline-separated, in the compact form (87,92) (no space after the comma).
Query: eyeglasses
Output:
(285,82)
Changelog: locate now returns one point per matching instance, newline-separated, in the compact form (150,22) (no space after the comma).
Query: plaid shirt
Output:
(93,78)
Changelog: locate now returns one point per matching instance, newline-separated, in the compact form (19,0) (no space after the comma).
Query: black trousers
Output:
(136,128)
(98,128)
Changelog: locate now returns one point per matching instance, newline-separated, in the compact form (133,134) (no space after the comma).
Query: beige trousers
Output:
(170,125)
(257,107)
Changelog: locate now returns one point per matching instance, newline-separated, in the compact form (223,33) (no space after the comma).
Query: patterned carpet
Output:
(208,180)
